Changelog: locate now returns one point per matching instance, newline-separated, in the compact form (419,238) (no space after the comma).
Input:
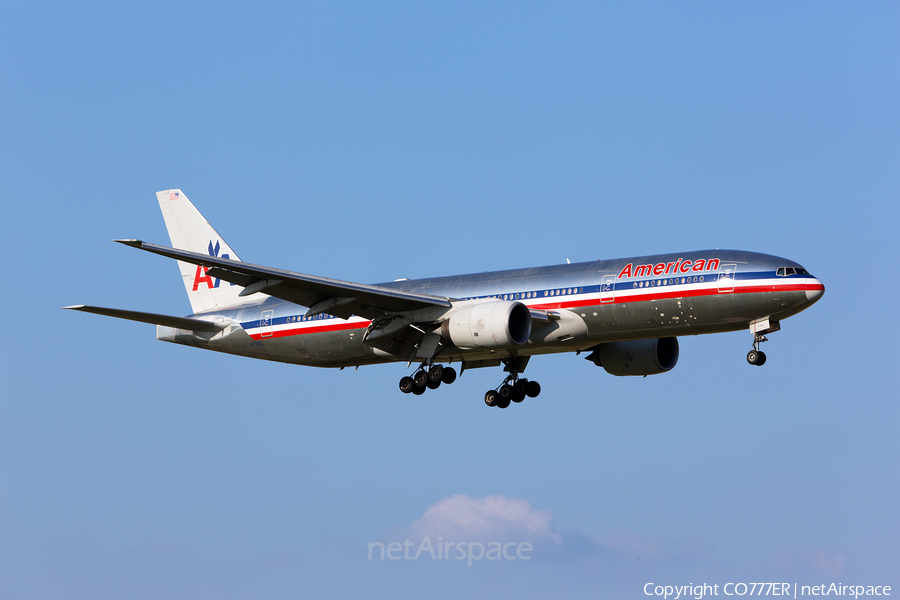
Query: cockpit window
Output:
(786,271)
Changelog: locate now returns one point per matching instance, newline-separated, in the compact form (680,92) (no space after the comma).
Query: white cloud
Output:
(461,518)
(495,518)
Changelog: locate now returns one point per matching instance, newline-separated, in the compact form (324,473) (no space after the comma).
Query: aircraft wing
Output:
(319,294)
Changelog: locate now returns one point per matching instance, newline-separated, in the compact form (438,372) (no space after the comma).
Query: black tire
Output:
(518,396)
(506,392)
(407,384)
(436,373)
(491,398)
(449,375)
(433,385)
(520,386)
(421,378)
(534,389)
(762,359)
(502,403)
(418,391)
(753,357)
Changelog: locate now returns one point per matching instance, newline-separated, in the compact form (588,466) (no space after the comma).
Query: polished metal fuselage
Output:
(591,303)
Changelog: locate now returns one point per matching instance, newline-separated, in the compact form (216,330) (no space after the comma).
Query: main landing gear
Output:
(427,377)
(756,356)
(512,389)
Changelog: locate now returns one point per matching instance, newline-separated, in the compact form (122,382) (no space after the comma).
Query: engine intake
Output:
(498,324)
(639,357)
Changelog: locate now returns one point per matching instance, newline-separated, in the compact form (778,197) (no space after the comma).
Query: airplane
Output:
(627,314)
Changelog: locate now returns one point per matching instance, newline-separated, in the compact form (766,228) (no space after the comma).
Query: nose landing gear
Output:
(759,328)
(756,356)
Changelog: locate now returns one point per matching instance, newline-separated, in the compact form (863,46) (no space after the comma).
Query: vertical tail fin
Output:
(188,230)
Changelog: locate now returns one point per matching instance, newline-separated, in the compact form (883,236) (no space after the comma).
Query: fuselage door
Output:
(726,278)
(607,289)
(265,323)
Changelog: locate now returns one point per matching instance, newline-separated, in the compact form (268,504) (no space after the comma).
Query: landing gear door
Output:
(607,289)
(726,278)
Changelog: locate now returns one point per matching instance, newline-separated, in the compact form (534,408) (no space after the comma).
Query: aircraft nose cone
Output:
(814,291)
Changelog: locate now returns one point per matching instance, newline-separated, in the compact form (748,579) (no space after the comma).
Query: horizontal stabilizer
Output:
(154,319)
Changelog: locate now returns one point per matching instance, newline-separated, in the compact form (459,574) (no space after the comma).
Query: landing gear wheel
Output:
(491,398)
(754,357)
(762,359)
(418,391)
(506,393)
(420,378)
(533,389)
(502,402)
(449,375)
(407,384)
(520,387)
(433,385)
(435,374)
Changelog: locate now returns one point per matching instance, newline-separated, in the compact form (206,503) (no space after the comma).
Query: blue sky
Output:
(370,142)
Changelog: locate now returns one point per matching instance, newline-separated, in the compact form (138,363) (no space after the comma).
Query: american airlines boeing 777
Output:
(626,313)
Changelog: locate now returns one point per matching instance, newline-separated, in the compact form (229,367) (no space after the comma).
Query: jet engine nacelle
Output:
(639,357)
(498,324)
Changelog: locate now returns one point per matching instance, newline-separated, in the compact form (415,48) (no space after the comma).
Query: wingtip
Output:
(73,307)
(132,243)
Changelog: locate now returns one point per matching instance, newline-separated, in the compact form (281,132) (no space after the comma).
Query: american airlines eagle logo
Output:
(200,275)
